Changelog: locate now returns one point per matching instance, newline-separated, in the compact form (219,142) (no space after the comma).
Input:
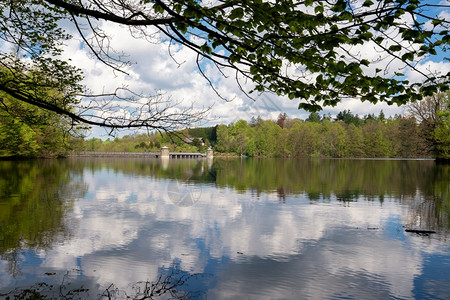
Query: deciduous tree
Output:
(441,133)
(26,130)
(432,113)
(308,50)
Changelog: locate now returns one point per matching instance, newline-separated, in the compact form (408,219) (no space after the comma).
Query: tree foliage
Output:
(307,50)
(28,131)
(32,71)
(368,137)
(36,196)
(433,115)
(441,133)
(347,117)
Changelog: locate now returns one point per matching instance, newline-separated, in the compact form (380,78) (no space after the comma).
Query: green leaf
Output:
(340,5)
(237,13)
(365,62)
(379,40)
(234,59)
(395,48)
(158,8)
(437,22)
(182,27)
(366,36)
(411,7)
(346,15)
(310,107)
(408,56)
(206,49)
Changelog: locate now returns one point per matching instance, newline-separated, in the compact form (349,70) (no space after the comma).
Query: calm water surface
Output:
(224,229)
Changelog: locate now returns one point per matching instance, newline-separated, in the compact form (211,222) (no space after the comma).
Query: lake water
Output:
(224,229)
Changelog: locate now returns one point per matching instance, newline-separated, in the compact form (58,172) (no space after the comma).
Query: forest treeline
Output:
(423,132)
(27,131)
(317,136)
(43,192)
(346,136)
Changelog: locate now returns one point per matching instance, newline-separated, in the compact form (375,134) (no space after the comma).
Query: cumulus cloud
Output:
(150,232)
(128,227)
(430,68)
(160,65)
(445,15)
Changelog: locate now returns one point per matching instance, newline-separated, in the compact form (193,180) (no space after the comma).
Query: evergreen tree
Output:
(313,117)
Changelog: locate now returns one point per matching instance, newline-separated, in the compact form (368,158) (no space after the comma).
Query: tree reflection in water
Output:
(37,199)
(172,283)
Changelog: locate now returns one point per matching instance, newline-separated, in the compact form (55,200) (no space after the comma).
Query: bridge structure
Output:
(164,154)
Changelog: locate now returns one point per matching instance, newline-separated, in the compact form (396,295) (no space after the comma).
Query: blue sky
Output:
(153,70)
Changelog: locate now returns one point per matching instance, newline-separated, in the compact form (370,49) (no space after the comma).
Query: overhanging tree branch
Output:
(256,40)
(154,113)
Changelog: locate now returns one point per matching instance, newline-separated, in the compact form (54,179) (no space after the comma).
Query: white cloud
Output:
(429,68)
(442,15)
(127,228)
(153,69)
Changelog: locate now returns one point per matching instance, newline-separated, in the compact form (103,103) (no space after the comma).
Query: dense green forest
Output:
(30,131)
(424,131)
(348,136)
